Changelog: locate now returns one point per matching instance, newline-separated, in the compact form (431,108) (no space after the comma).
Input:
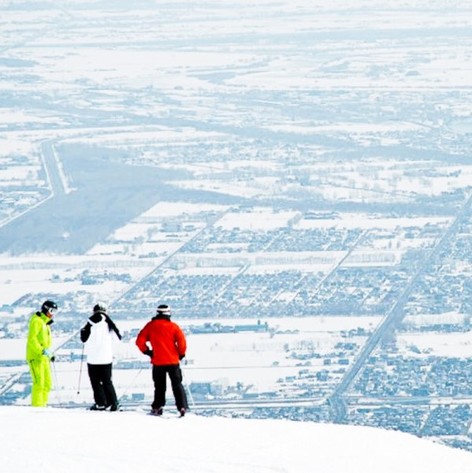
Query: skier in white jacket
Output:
(98,334)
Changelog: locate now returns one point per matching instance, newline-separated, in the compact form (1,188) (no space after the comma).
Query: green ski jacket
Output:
(39,336)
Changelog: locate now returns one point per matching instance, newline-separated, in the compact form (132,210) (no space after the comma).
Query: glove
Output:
(181,357)
(148,352)
(47,353)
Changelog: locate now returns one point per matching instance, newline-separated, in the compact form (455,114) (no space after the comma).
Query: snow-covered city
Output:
(293,178)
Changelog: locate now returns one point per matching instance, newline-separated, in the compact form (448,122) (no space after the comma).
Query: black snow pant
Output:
(103,390)
(159,376)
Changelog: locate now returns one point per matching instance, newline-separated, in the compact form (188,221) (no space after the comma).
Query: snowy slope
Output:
(70,441)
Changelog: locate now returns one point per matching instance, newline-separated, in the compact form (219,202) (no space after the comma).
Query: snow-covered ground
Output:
(48,440)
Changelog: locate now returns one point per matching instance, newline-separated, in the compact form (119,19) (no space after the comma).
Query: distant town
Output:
(313,240)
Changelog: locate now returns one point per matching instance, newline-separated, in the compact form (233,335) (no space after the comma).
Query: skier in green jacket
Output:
(38,353)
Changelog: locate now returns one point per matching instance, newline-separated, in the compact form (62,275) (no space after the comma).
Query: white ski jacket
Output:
(99,345)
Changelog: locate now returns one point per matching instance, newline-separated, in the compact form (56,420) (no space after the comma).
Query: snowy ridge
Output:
(53,440)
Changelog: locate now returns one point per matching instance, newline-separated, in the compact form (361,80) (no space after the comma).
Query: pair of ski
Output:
(152,412)
(160,413)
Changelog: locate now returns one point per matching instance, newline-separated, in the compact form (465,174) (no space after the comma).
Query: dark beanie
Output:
(163,309)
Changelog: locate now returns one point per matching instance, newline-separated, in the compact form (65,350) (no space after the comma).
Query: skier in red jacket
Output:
(164,342)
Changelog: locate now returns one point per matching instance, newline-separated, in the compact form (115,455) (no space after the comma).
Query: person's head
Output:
(49,308)
(163,310)
(100,308)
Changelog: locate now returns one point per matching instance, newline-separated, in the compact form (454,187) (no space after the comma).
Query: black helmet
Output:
(100,307)
(48,306)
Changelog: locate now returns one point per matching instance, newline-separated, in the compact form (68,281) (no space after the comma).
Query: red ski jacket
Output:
(166,340)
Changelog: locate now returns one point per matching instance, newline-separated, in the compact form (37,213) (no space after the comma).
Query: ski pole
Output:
(130,385)
(80,370)
(189,392)
(56,384)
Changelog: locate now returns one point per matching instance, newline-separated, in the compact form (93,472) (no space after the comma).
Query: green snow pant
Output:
(40,370)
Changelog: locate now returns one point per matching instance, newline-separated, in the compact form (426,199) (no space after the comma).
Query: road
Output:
(51,168)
